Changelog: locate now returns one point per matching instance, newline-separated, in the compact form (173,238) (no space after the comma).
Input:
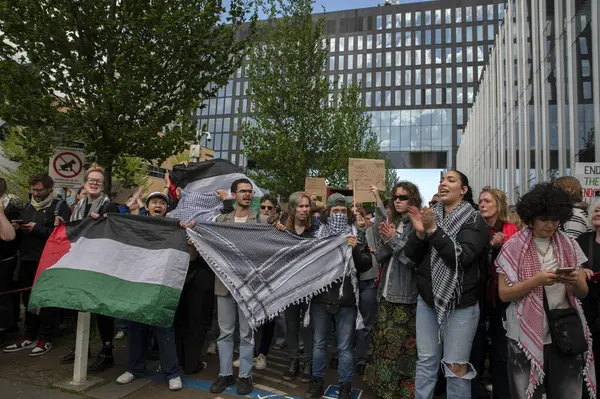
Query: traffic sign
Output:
(66,167)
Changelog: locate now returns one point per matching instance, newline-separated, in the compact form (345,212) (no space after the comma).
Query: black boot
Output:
(292,370)
(345,390)
(105,360)
(70,357)
(315,390)
(306,375)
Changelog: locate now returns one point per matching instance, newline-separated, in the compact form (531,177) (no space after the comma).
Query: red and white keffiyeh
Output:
(518,261)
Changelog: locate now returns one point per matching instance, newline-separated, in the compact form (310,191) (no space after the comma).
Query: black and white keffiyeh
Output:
(267,270)
(337,224)
(446,282)
(79,211)
(200,207)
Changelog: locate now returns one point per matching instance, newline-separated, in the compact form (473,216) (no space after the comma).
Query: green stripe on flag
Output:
(81,290)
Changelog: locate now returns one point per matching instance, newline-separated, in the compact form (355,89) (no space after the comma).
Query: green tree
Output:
(117,73)
(295,129)
(31,154)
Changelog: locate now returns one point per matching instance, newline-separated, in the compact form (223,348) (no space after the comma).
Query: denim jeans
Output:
(294,323)
(137,339)
(368,310)
(458,334)
(345,318)
(563,379)
(228,312)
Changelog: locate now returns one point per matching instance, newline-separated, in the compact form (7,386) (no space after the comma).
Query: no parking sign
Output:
(66,167)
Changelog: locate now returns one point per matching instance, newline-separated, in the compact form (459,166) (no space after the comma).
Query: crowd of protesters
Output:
(448,293)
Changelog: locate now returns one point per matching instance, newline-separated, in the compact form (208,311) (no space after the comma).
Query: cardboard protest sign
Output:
(363,173)
(317,186)
(588,174)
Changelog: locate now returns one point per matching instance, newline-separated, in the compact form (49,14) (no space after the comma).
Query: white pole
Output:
(82,341)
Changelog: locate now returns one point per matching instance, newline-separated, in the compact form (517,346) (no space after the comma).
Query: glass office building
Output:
(537,107)
(419,65)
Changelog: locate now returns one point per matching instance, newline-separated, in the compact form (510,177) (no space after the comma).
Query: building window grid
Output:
(485,13)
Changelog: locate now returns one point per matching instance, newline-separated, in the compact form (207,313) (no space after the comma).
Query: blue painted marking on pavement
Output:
(333,392)
(204,385)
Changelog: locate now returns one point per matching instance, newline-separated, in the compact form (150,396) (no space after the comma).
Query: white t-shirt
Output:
(556,294)
(241,220)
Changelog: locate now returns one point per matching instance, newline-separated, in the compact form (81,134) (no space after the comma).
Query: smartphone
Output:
(595,277)
(17,221)
(564,270)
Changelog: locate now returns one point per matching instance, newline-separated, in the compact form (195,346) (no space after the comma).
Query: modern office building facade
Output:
(419,66)
(538,105)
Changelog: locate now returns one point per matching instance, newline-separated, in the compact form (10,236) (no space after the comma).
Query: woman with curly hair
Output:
(539,270)
(390,369)
(449,247)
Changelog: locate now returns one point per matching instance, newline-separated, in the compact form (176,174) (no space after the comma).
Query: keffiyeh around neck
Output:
(446,282)
(79,212)
(518,261)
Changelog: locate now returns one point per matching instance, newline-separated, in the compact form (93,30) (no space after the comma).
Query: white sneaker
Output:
(120,335)
(125,378)
(212,348)
(260,362)
(175,384)
(236,363)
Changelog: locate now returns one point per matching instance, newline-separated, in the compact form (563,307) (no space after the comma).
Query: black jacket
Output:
(473,238)
(32,243)
(591,303)
(8,249)
(362,262)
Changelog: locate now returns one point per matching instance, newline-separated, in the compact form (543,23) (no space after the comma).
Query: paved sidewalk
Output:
(22,376)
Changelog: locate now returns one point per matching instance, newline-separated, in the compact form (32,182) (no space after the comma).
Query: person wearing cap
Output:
(330,306)
(139,334)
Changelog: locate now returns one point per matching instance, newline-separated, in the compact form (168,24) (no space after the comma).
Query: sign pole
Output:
(354,193)
(82,341)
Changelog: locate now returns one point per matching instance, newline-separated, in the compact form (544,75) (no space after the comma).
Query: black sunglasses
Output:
(400,198)
(267,207)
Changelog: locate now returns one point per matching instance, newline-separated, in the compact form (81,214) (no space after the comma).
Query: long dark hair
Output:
(464,181)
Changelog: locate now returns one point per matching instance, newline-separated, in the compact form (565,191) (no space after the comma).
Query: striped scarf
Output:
(79,211)
(446,282)
(518,261)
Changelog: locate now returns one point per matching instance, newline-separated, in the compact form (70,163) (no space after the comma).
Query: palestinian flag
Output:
(124,266)
(209,176)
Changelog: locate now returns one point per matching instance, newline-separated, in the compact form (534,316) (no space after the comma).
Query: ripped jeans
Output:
(563,379)
(455,349)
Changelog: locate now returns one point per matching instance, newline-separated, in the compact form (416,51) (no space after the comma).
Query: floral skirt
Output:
(390,369)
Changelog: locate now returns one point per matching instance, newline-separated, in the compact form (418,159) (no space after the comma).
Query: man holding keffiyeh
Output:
(540,275)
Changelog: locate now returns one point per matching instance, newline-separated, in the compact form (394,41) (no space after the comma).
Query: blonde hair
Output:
(514,218)
(94,168)
(571,186)
(501,203)
(293,202)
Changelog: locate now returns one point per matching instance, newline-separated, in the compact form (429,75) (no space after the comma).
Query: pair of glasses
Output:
(317,217)
(400,198)
(95,181)
(266,207)
(245,192)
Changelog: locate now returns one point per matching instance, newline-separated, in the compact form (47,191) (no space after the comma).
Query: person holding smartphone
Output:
(36,226)
(540,275)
